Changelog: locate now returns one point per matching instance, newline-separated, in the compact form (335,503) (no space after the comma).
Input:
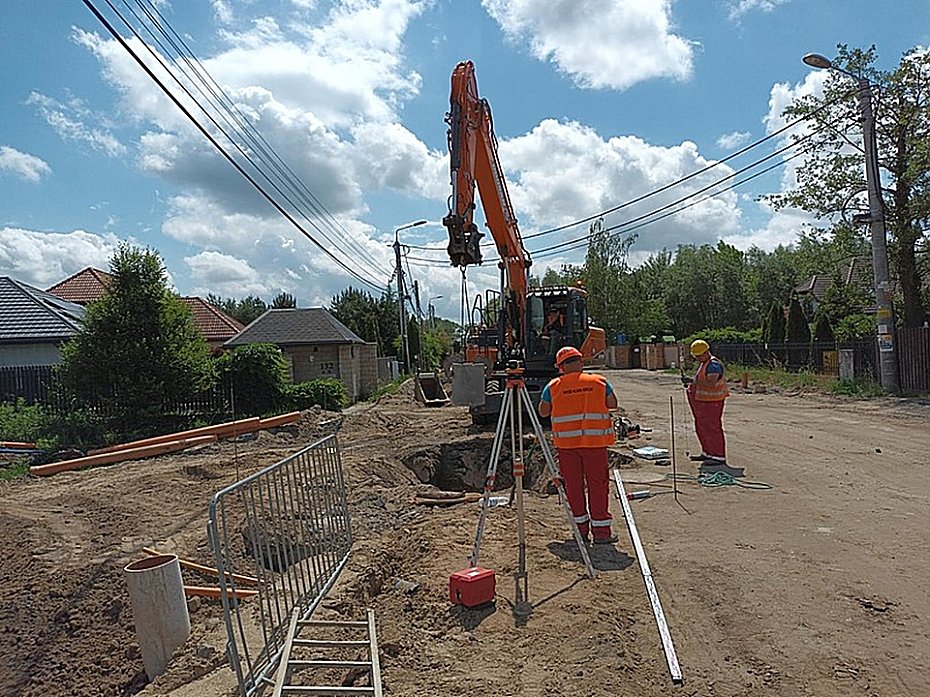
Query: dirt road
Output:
(816,587)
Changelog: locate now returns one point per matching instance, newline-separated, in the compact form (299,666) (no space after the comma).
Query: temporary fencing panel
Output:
(288,527)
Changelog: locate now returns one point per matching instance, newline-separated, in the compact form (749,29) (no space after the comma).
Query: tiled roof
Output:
(816,285)
(29,315)
(312,325)
(213,323)
(84,287)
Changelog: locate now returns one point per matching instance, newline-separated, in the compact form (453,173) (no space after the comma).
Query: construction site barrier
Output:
(293,519)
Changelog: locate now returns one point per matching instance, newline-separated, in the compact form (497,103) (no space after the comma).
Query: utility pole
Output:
(884,314)
(401,313)
(401,294)
(416,295)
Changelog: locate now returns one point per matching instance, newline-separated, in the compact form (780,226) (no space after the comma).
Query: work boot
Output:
(609,540)
(698,458)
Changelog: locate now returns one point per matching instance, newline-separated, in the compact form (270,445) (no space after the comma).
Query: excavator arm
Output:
(473,161)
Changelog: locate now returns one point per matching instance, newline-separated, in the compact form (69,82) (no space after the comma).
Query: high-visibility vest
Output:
(706,389)
(580,418)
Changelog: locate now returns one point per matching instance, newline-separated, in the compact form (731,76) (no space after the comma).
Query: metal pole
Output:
(884,315)
(416,295)
(401,314)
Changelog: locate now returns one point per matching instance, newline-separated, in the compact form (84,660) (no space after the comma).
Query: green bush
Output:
(19,422)
(328,393)
(729,335)
(258,375)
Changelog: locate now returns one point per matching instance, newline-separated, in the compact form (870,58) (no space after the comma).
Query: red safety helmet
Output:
(566,353)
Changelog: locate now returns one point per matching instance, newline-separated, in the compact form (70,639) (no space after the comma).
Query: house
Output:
(216,326)
(34,324)
(90,284)
(316,345)
(855,271)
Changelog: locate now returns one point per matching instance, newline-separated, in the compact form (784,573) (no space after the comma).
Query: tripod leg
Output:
(556,476)
(506,407)
(522,607)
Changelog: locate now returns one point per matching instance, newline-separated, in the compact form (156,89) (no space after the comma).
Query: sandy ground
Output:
(815,587)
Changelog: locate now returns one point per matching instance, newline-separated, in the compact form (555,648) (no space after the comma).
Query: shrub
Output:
(258,375)
(328,393)
(20,422)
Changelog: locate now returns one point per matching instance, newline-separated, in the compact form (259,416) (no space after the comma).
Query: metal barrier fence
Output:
(288,527)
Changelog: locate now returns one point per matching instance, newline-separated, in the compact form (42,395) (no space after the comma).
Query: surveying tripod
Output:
(515,397)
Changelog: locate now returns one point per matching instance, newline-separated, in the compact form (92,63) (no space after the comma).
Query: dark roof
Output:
(213,323)
(29,315)
(86,286)
(312,325)
(816,285)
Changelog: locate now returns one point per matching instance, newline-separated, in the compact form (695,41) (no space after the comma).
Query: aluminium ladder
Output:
(293,642)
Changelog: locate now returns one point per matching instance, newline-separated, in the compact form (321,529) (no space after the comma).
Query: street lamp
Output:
(431,311)
(401,310)
(884,315)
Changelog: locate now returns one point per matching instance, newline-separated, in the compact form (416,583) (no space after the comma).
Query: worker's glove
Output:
(685,380)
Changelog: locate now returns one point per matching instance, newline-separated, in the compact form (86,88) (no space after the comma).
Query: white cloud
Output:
(731,141)
(73,121)
(42,259)
(23,165)
(600,45)
(739,8)
(565,171)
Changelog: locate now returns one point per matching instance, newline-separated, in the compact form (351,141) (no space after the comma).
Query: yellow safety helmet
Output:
(699,347)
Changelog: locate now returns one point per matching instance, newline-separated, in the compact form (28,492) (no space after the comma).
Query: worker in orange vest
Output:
(579,405)
(707,393)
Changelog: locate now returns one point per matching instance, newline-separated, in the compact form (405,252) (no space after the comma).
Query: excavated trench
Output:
(463,465)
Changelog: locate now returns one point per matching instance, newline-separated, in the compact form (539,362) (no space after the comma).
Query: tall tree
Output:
(833,177)
(246,310)
(138,350)
(283,301)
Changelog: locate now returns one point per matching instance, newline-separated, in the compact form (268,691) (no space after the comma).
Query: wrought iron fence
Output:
(818,356)
(288,527)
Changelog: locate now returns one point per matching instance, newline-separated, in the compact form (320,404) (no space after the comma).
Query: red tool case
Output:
(472,587)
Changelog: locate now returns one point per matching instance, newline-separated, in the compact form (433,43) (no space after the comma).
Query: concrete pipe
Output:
(159,609)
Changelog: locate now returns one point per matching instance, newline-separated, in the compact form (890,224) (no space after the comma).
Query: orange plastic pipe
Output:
(15,445)
(214,592)
(280,420)
(119,456)
(209,570)
(219,430)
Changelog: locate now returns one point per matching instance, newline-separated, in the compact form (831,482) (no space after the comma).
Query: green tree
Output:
(246,310)
(138,351)
(283,301)
(374,320)
(775,324)
(258,376)
(823,330)
(832,179)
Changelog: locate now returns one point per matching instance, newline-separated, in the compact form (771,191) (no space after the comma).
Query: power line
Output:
(115,34)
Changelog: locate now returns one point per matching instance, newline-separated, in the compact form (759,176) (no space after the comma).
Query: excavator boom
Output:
(473,161)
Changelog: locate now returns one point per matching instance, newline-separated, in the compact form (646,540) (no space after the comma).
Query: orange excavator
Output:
(521,323)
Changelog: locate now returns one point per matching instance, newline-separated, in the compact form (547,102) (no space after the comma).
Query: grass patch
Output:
(863,389)
(13,471)
(386,389)
(805,380)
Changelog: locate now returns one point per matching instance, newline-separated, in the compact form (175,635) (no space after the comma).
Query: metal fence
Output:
(914,359)
(38,384)
(288,527)
(818,356)
(31,383)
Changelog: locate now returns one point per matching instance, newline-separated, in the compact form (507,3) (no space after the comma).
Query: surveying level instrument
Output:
(515,399)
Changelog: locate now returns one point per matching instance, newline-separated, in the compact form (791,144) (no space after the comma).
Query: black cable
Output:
(116,35)
(244,126)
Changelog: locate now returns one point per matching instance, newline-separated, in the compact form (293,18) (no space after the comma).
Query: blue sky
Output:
(594,103)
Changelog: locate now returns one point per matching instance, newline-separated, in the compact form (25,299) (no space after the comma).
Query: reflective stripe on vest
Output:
(580,418)
(706,390)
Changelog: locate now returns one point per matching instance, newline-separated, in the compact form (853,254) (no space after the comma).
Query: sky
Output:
(337,110)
